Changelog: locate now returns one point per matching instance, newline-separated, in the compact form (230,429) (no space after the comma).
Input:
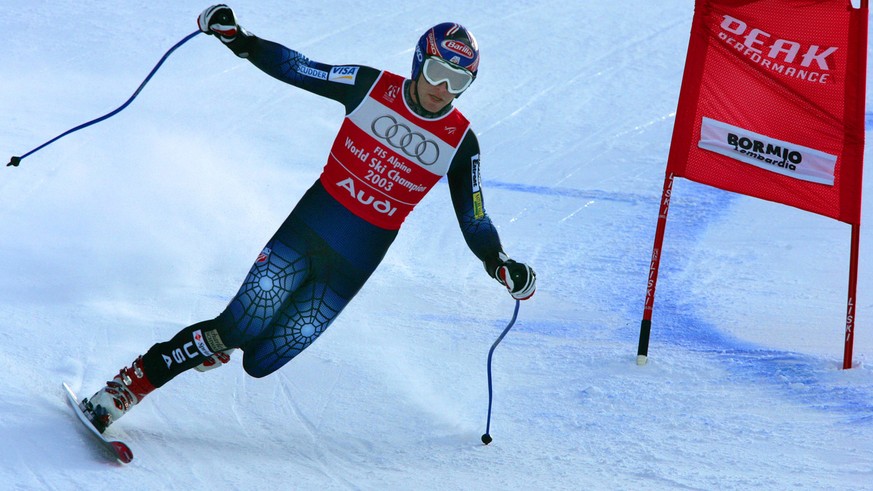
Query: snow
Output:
(117,236)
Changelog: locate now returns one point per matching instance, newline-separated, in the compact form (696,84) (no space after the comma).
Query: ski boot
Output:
(118,396)
(216,360)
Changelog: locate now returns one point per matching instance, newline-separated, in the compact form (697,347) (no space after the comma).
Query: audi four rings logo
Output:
(401,137)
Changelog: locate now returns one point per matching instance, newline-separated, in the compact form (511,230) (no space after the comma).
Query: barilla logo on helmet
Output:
(458,47)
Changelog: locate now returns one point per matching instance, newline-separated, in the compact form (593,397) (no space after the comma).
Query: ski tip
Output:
(69,390)
(122,451)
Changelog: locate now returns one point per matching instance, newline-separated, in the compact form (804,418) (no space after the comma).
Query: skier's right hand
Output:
(519,278)
(219,20)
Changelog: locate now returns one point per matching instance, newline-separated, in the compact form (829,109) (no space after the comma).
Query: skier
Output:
(398,138)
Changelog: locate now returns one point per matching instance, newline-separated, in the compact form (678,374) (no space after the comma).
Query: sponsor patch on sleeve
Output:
(312,72)
(343,74)
(478,207)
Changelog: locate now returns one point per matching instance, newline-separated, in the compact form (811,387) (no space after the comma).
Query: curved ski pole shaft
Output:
(486,438)
(14,161)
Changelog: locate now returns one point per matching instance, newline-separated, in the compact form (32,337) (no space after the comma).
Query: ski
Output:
(118,449)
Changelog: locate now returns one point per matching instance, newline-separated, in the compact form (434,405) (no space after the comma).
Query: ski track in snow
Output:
(321,451)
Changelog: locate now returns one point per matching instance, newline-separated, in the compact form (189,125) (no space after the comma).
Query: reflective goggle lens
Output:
(437,71)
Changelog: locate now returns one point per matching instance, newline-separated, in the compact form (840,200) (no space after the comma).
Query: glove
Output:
(519,278)
(219,20)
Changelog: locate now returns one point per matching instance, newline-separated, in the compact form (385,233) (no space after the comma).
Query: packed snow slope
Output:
(117,236)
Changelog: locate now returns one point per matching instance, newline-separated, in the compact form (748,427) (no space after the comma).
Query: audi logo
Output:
(401,137)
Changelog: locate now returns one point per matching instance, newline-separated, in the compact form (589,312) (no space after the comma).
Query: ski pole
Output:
(486,438)
(17,160)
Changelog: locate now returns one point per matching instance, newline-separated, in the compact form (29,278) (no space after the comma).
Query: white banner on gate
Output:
(781,157)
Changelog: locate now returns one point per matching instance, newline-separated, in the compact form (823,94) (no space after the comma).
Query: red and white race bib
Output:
(385,158)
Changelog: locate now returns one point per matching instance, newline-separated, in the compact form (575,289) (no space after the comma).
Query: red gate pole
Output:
(646,325)
(853,280)
(850,308)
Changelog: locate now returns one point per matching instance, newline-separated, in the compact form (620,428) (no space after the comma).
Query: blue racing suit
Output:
(387,155)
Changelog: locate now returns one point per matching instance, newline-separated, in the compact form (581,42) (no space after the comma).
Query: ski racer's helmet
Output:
(455,55)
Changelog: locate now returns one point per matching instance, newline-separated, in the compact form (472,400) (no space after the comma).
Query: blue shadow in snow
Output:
(561,192)
(570,192)
(800,377)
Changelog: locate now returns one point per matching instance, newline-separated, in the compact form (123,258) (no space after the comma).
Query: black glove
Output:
(219,20)
(519,278)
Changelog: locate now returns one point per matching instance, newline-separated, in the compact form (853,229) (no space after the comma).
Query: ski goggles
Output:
(437,71)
